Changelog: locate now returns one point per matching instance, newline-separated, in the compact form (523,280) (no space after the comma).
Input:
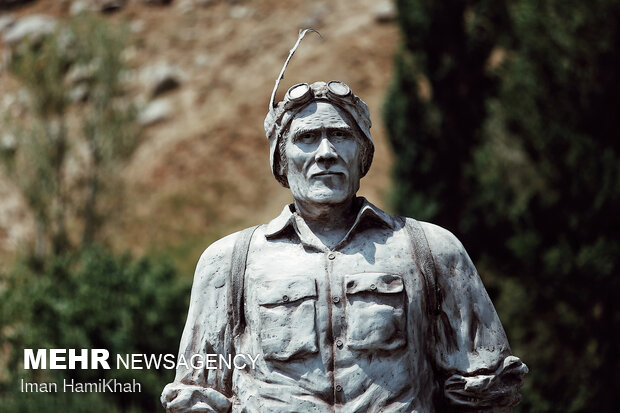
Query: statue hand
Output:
(183,398)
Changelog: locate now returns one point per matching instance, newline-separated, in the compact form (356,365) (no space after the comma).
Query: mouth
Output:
(326,174)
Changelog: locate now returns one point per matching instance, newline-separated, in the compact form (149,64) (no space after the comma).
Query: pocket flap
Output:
(376,282)
(285,290)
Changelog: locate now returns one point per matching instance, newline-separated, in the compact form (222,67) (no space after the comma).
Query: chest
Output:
(364,296)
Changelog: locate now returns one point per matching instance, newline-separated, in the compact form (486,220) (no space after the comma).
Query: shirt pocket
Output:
(375,312)
(287,318)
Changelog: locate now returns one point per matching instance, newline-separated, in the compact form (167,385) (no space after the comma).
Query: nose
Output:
(326,152)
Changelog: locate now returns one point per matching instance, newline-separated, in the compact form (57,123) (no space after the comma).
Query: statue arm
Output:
(471,353)
(200,389)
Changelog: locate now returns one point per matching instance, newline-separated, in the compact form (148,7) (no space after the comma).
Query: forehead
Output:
(320,115)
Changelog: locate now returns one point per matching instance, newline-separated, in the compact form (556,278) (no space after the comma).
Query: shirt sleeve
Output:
(475,368)
(196,388)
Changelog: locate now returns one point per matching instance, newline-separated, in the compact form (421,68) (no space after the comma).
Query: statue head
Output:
(322,155)
(311,116)
(319,108)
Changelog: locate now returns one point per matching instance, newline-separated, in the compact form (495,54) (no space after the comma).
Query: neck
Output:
(329,222)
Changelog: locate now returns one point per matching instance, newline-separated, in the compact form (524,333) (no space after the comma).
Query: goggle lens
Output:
(298,92)
(338,88)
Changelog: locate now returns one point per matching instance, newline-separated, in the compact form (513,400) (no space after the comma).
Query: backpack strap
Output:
(236,321)
(423,257)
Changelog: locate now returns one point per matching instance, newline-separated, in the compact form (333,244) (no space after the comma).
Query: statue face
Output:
(322,154)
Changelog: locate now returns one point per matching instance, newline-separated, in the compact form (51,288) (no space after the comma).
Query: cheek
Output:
(352,157)
(295,159)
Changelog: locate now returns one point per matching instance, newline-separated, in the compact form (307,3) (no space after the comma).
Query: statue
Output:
(347,308)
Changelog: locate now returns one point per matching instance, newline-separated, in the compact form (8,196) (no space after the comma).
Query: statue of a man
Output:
(348,309)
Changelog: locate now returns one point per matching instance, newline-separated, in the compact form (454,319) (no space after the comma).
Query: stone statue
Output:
(347,308)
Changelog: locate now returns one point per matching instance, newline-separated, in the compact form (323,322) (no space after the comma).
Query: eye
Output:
(340,134)
(306,137)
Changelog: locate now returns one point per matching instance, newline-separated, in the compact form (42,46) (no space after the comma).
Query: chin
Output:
(330,196)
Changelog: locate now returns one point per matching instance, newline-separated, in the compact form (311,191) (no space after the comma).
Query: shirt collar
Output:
(367,213)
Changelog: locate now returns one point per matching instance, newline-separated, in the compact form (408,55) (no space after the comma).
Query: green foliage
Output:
(91,300)
(526,170)
(77,115)
(437,101)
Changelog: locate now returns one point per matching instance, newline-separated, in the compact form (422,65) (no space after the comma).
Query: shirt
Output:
(347,329)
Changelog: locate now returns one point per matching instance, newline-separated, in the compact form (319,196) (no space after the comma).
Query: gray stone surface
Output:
(161,77)
(6,21)
(154,112)
(384,12)
(33,27)
(79,6)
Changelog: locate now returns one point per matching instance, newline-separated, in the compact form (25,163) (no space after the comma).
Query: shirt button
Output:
(336,299)
(338,387)
(285,298)
(373,287)
(331,256)
(339,343)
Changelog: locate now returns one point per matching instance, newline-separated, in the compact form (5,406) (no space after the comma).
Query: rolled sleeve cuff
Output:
(498,390)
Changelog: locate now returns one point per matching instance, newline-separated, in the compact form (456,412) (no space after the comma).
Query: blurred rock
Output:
(202,60)
(7,101)
(155,112)
(384,12)
(6,22)
(79,93)
(80,73)
(186,6)
(8,142)
(137,26)
(206,3)
(34,27)
(157,2)
(161,77)
(240,12)
(79,6)
(129,54)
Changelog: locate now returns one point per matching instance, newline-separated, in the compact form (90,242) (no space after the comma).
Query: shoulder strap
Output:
(237,279)
(423,257)
(236,276)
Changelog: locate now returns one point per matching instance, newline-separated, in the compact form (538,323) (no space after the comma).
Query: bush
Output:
(91,299)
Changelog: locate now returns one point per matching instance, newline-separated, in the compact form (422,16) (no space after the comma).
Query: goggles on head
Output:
(302,92)
(299,96)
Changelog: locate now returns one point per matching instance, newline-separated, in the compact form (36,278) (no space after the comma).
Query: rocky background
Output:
(201,72)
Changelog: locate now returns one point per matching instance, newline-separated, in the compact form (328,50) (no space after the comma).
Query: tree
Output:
(77,70)
(436,103)
(537,177)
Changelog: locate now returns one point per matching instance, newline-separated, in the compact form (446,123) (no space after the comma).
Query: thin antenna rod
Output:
(302,33)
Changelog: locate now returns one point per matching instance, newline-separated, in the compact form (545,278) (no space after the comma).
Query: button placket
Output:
(337,268)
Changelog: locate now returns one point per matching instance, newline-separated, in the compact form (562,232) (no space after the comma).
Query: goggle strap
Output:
(302,33)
